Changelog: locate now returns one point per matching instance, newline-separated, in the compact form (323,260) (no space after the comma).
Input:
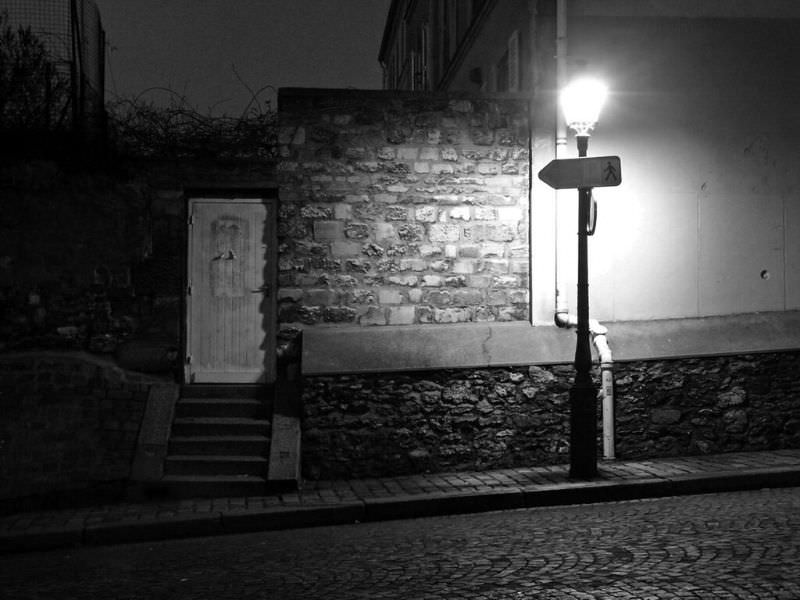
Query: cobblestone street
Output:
(732,545)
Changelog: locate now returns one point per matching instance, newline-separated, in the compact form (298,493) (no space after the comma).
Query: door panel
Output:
(230,321)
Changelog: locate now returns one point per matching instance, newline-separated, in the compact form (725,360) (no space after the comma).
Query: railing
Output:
(65,77)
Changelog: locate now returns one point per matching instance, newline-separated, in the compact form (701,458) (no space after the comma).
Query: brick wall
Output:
(401,209)
(70,425)
(388,424)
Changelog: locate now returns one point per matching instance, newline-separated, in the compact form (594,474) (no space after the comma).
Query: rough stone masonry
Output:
(402,209)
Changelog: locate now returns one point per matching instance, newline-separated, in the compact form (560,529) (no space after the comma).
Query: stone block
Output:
(339,314)
(496,298)
(355,153)
(429,250)
(404,280)
(433,136)
(432,280)
(494,266)
(357,265)
(385,198)
(501,233)
(368,166)
(429,154)
(449,154)
(512,313)
(467,297)
(422,167)
(328,231)
(460,212)
(412,232)
(361,296)
(520,267)
(519,296)
(438,298)
(505,281)
(290,294)
(390,296)
(374,315)
(444,232)
(426,214)
(452,315)
(384,232)
(322,297)
(509,213)
(342,119)
(387,153)
(415,295)
(401,315)
(450,251)
(310,315)
(396,213)
(443,169)
(372,250)
(407,153)
(455,281)
(343,249)
(488,168)
(356,231)
(342,211)
(490,250)
(413,264)
(440,265)
(481,137)
(464,266)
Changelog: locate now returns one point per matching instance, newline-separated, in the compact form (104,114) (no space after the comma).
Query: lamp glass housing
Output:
(581,102)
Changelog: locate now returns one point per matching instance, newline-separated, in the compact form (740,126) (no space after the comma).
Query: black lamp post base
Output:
(583,429)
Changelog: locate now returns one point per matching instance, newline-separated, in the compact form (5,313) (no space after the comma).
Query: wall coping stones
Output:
(461,345)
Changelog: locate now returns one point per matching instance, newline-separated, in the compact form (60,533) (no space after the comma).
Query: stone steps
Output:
(220,407)
(209,426)
(208,464)
(219,442)
(210,486)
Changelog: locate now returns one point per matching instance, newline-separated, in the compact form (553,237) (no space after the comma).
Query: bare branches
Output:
(178,130)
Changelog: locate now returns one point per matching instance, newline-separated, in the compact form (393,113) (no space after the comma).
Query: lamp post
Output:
(581,102)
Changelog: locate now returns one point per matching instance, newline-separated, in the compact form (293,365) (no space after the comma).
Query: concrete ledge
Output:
(432,504)
(64,537)
(151,448)
(415,347)
(150,530)
(301,516)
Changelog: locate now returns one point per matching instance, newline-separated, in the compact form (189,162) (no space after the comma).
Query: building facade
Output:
(704,224)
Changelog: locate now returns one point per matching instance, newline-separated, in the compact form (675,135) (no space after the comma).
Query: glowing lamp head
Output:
(581,102)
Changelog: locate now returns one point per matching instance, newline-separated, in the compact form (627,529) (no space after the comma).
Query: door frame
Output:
(229,193)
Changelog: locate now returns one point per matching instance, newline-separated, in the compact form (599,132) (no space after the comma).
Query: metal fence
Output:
(73,36)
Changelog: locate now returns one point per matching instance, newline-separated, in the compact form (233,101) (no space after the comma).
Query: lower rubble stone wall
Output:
(476,419)
(69,428)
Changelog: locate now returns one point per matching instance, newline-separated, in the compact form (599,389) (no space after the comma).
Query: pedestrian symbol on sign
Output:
(610,173)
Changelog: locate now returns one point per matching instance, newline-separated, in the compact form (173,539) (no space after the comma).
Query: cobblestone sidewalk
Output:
(349,501)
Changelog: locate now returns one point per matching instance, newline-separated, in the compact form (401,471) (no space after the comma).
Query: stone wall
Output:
(69,428)
(389,424)
(402,208)
(88,259)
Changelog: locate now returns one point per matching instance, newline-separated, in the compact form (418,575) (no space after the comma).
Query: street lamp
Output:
(581,102)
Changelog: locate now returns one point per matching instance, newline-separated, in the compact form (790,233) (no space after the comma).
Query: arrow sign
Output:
(597,171)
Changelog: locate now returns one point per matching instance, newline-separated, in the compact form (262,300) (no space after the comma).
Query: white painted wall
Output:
(705,114)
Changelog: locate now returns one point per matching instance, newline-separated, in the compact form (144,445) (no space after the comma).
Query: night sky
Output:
(197,47)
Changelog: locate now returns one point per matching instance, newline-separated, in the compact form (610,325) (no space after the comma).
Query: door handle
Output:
(264,289)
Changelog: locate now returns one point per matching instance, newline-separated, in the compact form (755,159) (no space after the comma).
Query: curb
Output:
(407,506)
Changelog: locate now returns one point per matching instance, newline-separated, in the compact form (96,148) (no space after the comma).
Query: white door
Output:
(230,308)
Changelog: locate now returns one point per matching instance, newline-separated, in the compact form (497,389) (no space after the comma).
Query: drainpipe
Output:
(562,317)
